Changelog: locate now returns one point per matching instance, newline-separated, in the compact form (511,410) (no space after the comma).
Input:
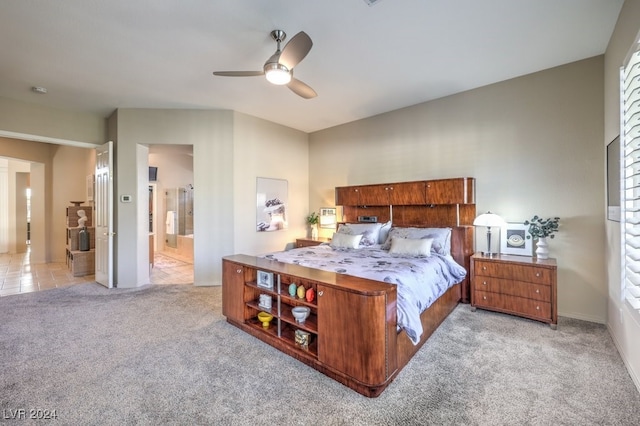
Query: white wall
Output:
(534,145)
(624,324)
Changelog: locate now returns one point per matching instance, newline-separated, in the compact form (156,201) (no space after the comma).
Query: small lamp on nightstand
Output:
(489,220)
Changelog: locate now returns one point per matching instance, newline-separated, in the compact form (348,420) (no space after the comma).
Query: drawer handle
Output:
(537,290)
(320,293)
(238,270)
(537,274)
(484,297)
(538,308)
(484,283)
(484,268)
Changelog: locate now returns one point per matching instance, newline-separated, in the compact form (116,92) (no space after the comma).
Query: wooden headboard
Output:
(430,203)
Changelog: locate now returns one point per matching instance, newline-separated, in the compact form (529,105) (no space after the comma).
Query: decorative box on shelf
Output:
(264,279)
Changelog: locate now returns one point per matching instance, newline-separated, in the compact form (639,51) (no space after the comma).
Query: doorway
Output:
(15,199)
(171,199)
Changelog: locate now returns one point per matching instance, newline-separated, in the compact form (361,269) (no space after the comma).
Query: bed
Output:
(406,257)
(369,316)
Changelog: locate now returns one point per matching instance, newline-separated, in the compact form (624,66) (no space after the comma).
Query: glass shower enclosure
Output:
(179,214)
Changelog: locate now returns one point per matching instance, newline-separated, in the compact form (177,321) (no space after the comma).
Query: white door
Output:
(103,196)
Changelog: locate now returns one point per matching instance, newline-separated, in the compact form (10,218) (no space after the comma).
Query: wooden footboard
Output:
(431,320)
(350,334)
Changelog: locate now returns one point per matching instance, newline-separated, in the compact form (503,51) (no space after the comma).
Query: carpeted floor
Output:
(165,355)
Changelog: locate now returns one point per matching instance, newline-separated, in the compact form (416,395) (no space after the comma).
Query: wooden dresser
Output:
(517,285)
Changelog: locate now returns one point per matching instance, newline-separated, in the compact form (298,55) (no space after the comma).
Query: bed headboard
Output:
(425,204)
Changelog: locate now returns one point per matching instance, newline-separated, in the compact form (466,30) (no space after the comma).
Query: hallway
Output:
(18,275)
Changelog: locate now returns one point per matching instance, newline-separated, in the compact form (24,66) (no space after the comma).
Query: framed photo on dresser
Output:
(515,239)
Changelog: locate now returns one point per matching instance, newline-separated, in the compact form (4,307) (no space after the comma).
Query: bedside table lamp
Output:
(489,220)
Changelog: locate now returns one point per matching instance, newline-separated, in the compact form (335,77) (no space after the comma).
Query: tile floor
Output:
(18,275)
(171,269)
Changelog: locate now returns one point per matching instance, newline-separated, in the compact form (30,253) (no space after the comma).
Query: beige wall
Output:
(210,133)
(624,324)
(268,150)
(229,151)
(58,176)
(31,119)
(533,143)
(71,166)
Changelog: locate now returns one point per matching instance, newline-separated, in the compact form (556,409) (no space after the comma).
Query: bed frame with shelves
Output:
(352,325)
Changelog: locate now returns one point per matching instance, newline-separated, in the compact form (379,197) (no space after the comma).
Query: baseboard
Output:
(582,317)
(634,378)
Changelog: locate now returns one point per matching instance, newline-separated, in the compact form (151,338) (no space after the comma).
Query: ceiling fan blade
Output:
(295,50)
(301,89)
(238,73)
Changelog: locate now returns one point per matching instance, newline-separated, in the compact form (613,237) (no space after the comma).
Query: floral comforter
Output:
(419,280)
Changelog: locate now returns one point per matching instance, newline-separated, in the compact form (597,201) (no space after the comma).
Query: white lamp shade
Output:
(489,219)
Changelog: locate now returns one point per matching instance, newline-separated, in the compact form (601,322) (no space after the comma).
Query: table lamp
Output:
(489,220)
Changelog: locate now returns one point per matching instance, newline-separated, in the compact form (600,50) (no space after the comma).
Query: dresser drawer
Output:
(513,288)
(513,305)
(513,271)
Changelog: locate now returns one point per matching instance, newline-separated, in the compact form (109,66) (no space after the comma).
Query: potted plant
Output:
(313,219)
(541,229)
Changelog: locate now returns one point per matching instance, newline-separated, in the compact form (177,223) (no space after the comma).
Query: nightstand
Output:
(306,242)
(517,285)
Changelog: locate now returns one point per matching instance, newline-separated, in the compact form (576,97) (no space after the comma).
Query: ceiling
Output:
(96,55)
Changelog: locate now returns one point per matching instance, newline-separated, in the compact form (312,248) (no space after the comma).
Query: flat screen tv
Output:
(153,174)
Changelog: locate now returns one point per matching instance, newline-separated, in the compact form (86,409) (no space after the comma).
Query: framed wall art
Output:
(265,279)
(272,199)
(514,240)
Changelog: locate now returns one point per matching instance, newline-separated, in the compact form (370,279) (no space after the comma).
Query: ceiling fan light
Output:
(277,74)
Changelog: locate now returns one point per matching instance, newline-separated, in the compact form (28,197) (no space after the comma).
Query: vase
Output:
(542,248)
(83,240)
(314,231)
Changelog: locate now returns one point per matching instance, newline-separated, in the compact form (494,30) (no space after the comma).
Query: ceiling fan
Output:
(279,67)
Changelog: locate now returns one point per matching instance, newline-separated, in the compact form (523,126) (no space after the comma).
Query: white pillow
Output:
(441,237)
(370,232)
(411,247)
(345,240)
(384,232)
